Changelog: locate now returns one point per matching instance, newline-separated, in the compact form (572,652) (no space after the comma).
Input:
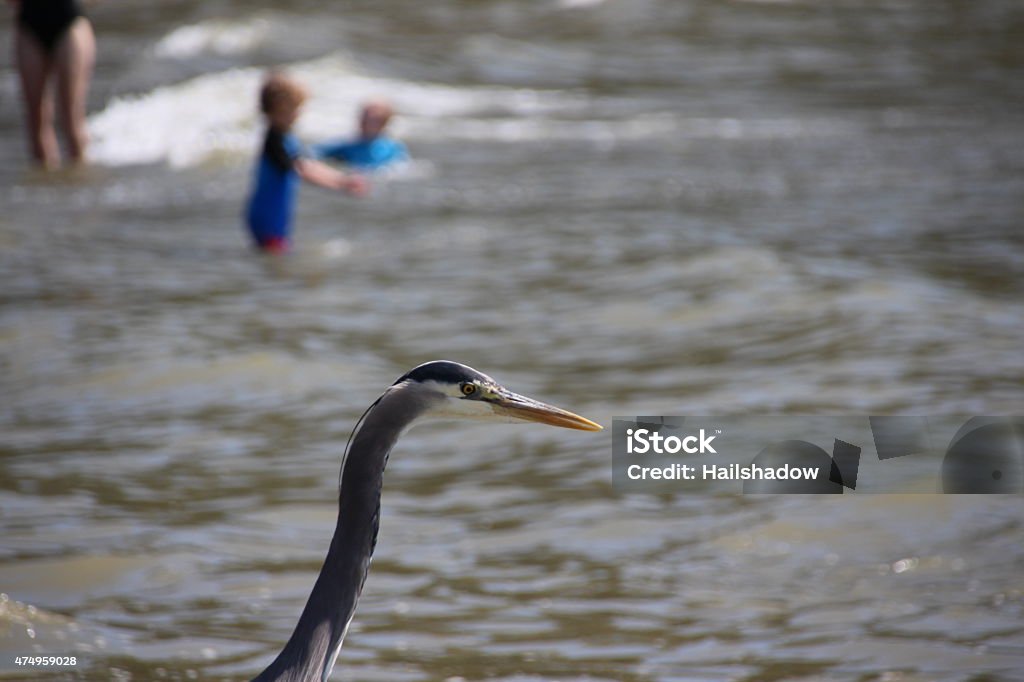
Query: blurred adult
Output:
(55,51)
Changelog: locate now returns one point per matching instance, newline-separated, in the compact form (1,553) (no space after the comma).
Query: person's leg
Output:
(75,56)
(34,68)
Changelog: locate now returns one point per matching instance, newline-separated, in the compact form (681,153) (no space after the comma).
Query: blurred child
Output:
(373,149)
(282,164)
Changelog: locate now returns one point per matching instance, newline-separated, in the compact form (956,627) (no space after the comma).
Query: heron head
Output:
(450,389)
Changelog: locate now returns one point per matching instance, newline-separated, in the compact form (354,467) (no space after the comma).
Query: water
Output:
(623,208)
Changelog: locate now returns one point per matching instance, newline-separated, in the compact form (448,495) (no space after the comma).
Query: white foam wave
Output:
(181,125)
(215,114)
(219,37)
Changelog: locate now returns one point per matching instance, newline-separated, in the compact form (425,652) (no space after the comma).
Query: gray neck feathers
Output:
(314,645)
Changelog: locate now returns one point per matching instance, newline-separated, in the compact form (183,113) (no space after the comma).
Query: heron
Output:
(441,388)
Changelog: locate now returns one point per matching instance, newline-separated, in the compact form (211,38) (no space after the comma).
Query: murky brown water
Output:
(620,207)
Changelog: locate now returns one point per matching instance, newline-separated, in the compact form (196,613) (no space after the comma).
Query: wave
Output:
(218,37)
(214,118)
(215,114)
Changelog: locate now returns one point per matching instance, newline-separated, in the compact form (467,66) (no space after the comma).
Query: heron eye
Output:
(468,388)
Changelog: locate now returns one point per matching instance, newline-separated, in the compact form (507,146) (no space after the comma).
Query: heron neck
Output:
(314,645)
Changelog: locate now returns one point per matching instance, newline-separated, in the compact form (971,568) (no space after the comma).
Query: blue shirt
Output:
(276,183)
(367,154)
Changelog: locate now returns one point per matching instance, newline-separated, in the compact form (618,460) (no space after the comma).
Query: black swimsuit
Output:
(48,20)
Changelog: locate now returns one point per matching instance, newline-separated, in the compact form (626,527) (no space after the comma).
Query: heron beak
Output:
(527,409)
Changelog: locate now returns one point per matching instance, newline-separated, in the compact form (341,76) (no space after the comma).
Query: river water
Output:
(645,207)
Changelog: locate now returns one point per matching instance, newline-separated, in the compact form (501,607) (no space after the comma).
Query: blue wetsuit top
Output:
(367,154)
(272,202)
